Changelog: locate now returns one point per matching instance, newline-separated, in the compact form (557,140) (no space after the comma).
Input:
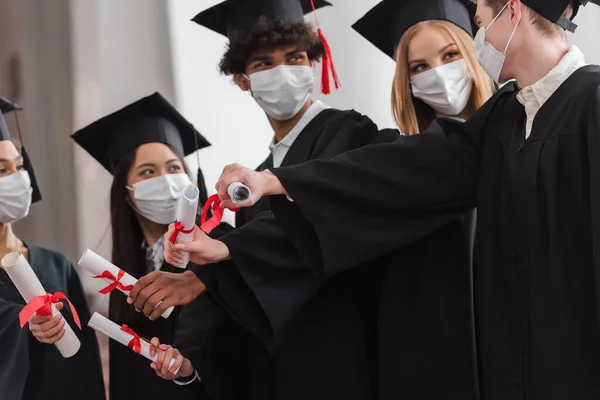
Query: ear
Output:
(242,82)
(516,9)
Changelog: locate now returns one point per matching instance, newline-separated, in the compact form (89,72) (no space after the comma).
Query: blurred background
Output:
(70,62)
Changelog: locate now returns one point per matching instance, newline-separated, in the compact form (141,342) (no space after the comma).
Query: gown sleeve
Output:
(594,165)
(14,344)
(365,203)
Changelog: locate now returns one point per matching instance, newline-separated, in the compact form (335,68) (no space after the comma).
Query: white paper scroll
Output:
(97,265)
(239,193)
(188,210)
(29,286)
(107,327)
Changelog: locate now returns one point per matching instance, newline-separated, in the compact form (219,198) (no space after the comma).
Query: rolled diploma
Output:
(107,327)
(188,210)
(97,265)
(29,286)
(239,193)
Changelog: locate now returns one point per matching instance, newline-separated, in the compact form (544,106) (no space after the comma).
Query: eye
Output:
(146,172)
(419,68)
(175,168)
(3,171)
(450,55)
(297,58)
(21,168)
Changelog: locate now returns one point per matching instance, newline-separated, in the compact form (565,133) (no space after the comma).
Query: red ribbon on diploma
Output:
(42,305)
(134,343)
(116,281)
(215,220)
(179,228)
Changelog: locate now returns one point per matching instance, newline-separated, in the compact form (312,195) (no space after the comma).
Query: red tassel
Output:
(327,63)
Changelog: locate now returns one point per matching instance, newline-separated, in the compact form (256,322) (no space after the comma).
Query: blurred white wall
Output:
(587,35)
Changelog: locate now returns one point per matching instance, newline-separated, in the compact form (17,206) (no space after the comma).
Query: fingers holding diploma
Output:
(182,367)
(258,183)
(48,329)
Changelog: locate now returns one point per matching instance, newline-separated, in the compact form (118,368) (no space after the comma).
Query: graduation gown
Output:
(32,370)
(536,262)
(367,333)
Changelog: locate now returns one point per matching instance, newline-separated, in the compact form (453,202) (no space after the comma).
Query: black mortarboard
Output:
(553,10)
(236,15)
(385,23)
(7,106)
(151,119)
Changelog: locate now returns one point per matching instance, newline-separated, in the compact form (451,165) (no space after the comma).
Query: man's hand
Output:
(171,289)
(260,184)
(48,329)
(203,249)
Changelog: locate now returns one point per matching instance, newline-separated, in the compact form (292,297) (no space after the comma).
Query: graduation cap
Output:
(385,23)
(553,10)
(7,106)
(151,119)
(233,16)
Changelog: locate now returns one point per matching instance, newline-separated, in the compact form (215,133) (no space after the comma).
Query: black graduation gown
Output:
(537,267)
(32,370)
(368,333)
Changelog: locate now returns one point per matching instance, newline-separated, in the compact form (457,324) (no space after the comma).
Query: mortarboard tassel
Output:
(327,63)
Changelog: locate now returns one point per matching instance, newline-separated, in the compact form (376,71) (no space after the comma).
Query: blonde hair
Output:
(411,114)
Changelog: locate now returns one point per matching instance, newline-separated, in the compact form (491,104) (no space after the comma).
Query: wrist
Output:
(197,286)
(223,251)
(272,184)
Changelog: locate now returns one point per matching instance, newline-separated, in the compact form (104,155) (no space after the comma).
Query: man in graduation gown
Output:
(32,370)
(529,161)
(358,335)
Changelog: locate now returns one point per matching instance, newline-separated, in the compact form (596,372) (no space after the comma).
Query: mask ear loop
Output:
(497,16)
(513,32)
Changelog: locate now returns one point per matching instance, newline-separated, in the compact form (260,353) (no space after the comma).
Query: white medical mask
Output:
(446,89)
(157,198)
(15,197)
(492,60)
(282,91)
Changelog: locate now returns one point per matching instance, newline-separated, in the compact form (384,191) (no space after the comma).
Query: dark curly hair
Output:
(269,35)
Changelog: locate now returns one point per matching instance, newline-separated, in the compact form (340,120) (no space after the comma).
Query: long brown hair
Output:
(127,236)
(413,115)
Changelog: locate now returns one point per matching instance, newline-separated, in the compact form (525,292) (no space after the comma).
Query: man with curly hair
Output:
(327,350)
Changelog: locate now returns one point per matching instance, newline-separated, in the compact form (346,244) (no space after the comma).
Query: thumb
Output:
(59,305)
(189,247)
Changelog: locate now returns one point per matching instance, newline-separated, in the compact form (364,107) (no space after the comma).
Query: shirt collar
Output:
(543,89)
(312,111)
(155,254)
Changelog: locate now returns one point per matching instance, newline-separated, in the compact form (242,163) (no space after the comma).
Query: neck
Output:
(547,53)
(8,241)
(151,230)
(282,128)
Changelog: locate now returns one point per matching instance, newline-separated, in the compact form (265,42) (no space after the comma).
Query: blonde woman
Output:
(437,73)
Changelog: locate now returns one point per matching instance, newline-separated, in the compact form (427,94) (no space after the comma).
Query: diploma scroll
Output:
(111,274)
(29,286)
(115,332)
(239,193)
(186,219)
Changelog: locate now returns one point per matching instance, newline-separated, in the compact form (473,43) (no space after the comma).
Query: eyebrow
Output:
(19,158)
(145,165)
(293,52)
(260,58)
(446,47)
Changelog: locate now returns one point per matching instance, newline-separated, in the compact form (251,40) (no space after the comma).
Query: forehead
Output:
(429,40)
(153,153)
(274,53)
(8,150)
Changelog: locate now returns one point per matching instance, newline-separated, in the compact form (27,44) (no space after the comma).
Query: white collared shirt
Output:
(533,97)
(280,149)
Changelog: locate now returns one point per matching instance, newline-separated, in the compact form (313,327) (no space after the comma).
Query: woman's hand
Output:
(48,329)
(203,249)
(182,367)
(260,184)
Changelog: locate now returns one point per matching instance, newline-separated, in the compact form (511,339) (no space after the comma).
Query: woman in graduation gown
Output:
(529,160)
(32,368)
(420,308)
(142,146)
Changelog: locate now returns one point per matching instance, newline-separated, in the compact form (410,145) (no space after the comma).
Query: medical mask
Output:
(15,197)
(282,91)
(157,198)
(446,89)
(492,60)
